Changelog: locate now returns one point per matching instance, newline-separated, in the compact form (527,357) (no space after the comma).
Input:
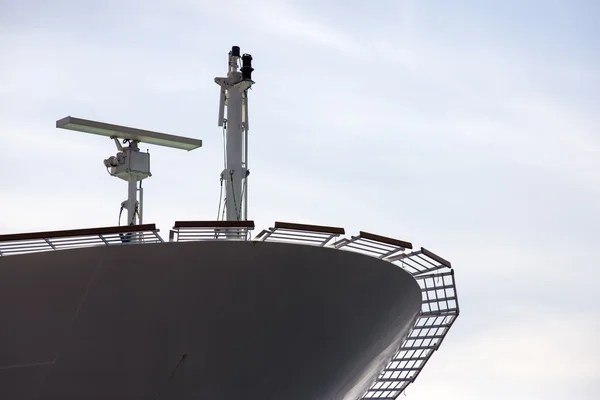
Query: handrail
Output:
(22,243)
(214,224)
(439,310)
(434,275)
(77,232)
(373,245)
(210,230)
(309,234)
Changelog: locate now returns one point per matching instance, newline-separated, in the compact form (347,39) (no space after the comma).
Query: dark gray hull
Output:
(255,320)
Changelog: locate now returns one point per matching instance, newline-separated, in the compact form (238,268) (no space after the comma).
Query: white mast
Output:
(234,95)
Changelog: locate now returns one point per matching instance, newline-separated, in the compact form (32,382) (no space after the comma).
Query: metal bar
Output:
(155,233)
(420,337)
(438,326)
(263,232)
(294,234)
(340,243)
(407,379)
(390,253)
(354,245)
(19,246)
(102,238)
(296,238)
(440,313)
(433,276)
(309,228)
(373,243)
(409,359)
(412,260)
(403,369)
(441,287)
(431,270)
(403,256)
(439,300)
(328,239)
(436,257)
(432,347)
(209,231)
(214,224)
(387,240)
(404,264)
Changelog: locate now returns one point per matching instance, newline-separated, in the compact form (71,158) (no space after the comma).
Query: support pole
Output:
(141,205)
(131,200)
(235,87)
(131,188)
(235,139)
(247,171)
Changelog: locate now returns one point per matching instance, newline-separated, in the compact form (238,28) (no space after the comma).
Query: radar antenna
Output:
(129,164)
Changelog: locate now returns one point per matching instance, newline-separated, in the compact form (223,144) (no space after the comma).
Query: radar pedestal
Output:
(132,166)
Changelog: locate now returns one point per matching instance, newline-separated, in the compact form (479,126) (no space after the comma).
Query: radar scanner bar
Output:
(129,164)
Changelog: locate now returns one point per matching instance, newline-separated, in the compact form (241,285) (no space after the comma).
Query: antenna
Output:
(234,96)
(129,164)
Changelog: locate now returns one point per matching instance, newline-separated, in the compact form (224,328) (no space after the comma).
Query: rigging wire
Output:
(135,213)
(242,196)
(220,199)
(233,194)
(224,167)
(120,212)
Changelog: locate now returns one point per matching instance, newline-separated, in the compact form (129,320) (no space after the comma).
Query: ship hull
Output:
(199,320)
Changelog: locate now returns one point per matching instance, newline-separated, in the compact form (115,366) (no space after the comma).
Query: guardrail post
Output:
(160,239)
(103,239)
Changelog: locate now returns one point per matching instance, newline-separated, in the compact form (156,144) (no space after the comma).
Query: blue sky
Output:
(467,127)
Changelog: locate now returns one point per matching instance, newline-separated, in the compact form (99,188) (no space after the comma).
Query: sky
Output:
(470,128)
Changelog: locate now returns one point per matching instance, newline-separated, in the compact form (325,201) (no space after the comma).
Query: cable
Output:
(120,212)
(233,194)
(220,199)
(242,196)
(135,212)
(224,167)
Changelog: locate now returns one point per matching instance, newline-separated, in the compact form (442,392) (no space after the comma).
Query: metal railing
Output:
(439,310)
(185,231)
(300,233)
(439,302)
(373,245)
(22,243)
